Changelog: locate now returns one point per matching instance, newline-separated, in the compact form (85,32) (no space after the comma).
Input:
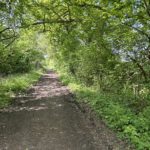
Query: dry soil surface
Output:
(46,118)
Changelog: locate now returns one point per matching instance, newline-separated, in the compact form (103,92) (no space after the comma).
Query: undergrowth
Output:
(115,111)
(13,84)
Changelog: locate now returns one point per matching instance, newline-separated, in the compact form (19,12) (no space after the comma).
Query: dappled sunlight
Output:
(38,95)
(49,87)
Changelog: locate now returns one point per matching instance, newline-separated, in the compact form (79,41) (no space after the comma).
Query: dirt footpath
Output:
(46,118)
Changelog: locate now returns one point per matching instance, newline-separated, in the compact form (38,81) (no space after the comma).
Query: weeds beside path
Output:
(12,84)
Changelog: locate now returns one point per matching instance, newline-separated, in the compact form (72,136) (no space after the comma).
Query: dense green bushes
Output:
(16,61)
(121,99)
(115,111)
(22,55)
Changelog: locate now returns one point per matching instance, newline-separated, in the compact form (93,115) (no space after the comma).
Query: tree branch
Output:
(138,30)
(139,66)
(10,43)
(53,22)
(8,38)
(90,5)
(4,30)
(43,22)
(147,7)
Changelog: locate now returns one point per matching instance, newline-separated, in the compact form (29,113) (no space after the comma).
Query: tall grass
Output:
(12,84)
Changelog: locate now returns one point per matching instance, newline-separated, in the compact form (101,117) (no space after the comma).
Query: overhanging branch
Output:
(89,5)
(8,38)
(138,30)
(41,23)
(54,22)
(13,40)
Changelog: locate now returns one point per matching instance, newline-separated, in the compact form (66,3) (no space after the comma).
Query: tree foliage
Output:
(102,43)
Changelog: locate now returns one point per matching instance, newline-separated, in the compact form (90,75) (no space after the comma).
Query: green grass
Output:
(13,84)
(115,111)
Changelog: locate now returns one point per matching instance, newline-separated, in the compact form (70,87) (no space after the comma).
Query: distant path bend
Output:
(46,119)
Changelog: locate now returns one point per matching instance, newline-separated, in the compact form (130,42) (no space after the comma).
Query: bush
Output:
(115,111)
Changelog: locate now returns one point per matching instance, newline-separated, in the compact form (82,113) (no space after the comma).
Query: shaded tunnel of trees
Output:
(101,43)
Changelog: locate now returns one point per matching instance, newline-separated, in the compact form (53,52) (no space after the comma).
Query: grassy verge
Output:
(115,112)
(15,83)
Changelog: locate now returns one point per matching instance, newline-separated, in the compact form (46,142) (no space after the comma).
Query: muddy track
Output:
(46,117)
